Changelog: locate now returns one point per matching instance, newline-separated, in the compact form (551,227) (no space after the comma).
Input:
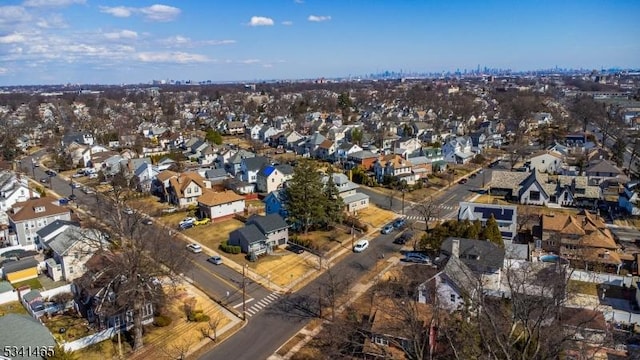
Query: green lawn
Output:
(14,307)
(32,283)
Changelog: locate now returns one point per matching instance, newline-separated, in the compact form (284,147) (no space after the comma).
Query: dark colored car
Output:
(147,221)
(295,248)
(73,197)
(404,238)
(462,181)
(417,258)
(472,176)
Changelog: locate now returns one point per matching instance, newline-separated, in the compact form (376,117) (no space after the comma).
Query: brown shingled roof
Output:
(26,210)
(166,175)
(212,198)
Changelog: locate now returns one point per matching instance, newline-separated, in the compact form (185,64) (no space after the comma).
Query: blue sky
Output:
(112,42)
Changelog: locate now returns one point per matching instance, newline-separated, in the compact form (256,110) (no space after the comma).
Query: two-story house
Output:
(583,239)
(363,159)
(394,166)
(13,189)
(27,217)
(546,161)
(483,257)
(234,162)
(407,147)
(261,234)
(326,150)
(250,167)
(220,205)
(273,177)
(352,199)
(185,189)
(602,170)
(506,216)
(458,150)
(70,247)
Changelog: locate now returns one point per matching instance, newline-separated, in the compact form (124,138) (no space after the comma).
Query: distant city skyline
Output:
(112,42)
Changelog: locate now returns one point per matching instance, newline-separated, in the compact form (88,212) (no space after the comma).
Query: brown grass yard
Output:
(583,287)
(14,307)
(212,234)
(75,327)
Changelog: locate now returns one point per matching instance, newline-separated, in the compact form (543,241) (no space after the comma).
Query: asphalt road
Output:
(215,280)
(282,319)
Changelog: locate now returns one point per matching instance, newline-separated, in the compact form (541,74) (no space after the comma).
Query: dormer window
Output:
(39,209)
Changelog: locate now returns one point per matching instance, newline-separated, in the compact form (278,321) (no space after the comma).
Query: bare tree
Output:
(428,209)
(331,292)
(179,349)
(212,326)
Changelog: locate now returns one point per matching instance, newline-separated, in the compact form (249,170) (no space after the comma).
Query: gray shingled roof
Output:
(70,236)
(251,233)
(53,227)
(23,330)
(19,265)
(268,223)
(490,256)
(255,163)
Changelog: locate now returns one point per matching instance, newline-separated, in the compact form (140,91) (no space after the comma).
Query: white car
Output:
(194,248)
(187,220)
(361,245)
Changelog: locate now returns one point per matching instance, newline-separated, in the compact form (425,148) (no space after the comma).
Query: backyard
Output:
(67,327)
(14,307)
(34,284)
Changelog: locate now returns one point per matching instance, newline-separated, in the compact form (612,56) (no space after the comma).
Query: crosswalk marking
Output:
(262,303)
(246,302)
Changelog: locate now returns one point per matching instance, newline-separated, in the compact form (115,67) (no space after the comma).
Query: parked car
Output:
(203,221)
(93,176)
(404,238)
(63,201)
(76,175)
(399,223)
(73,197)
(184,226)
(417,258)
(216,260)
(472,176)
(194,248)
(361,245)
(462,181)
(387,229)
(147,221)
(188,219)
(51,173)
(295,248)
(44,180)
(88,190)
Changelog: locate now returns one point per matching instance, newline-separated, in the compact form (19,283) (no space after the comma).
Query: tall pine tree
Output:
(304,197)
(491,232)
(334,204)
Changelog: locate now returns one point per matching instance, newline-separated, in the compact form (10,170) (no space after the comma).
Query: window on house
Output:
(543,161)
(453,297)
(534,195)
(566,196)
(380,340)
(188,191)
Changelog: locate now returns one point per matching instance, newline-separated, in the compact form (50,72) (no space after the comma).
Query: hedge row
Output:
(230,249)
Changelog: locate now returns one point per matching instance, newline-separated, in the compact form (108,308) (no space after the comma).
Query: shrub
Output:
(356,223)
(161,321)
(230,249)
(198,316)
(302,242)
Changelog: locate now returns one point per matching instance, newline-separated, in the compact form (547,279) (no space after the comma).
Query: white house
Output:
(352,199)
(220,205)
(12,191)
(547,161)
(271,178)
(458,150)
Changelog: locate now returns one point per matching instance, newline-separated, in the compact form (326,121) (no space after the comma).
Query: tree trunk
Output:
(137,325)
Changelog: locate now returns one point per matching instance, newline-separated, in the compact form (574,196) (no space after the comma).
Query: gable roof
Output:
(26,210)
(363,154)
(20,265)
(255,163)
(69,237)
(267,170)
(213,198)
(251,233)
(166,175)
(604,166)
(473,211)
(216,173)
(285,169)
(24,331)
(182,181)
(460,276)
(489,255)
(53,227)
(268,223)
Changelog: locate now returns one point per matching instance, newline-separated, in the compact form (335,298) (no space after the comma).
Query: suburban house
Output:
(234,161)
(249,168)
(272,177)
(450,288)
(603,170)
(220,205)
(394,166)
(478,140)
(546,161)
(352,199)
(458,150)
(235,128)
(583,239)
(79,138)
(261,234)
(326,150)
(629,198)
(27,217)
(344,150)
(407,147)
(483,257)
(536,188)
(185,189)
(274,203)
(95,300)
(506,216)
(13,189)
(363,159)
(146,174)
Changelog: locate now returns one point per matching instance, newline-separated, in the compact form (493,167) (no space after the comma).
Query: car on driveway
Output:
(361,245)
(186,220)
(204,221)
(216,260)
(194,248)
(387,229)
(295,248)
(416,258)
(399,223)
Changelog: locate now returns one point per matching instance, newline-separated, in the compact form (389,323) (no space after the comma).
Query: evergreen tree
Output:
(470,231)
(304,197)
(492,232)
(214,137)
(334,204)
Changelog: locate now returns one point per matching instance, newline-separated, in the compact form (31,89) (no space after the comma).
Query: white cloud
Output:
(267,65)
(122,34)
(287,23)
(260,21)
(52,3)
(183,41)
(13,15)
(249,61)
(117,11)
(53,21)
(12,38)
(317,18)
(171,57)
(3,70)
(159,12)
(156,12)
